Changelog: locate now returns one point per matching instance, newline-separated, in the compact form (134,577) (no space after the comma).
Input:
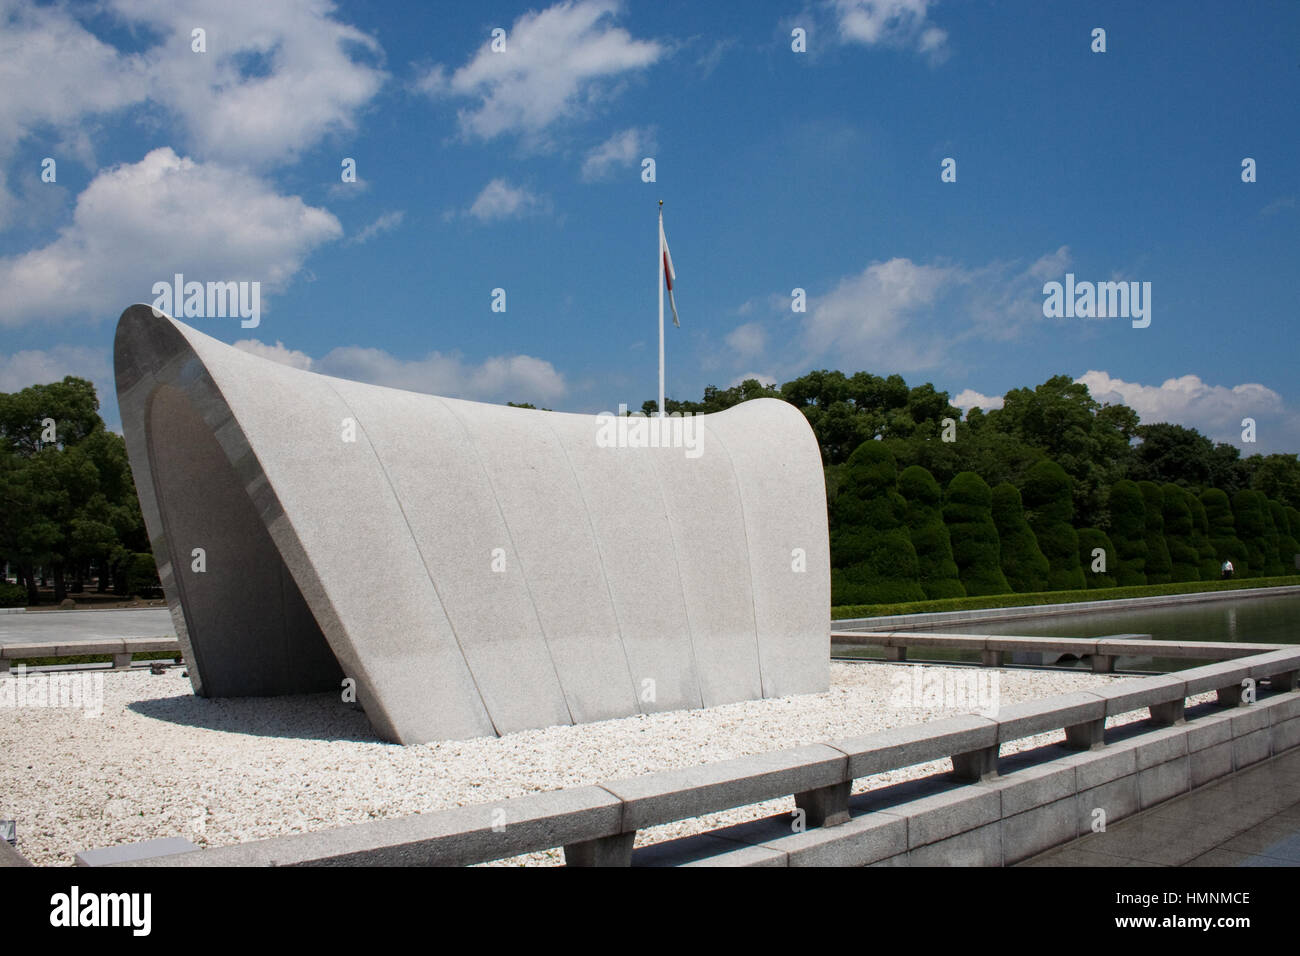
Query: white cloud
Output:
(1214,410)
(623,149)
(137,224)
(500,200)
(276,78)
(873,314)
(968,398)
(499,378)
(502,377)
(896,23)
(40,367)
(389,220)
(276,353)
(556,65)
(748,340)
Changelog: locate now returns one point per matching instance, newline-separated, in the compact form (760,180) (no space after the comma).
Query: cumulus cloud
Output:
(895,23)
(557,63)
(623,149)
(500,200)
(499,378)
(389,220)
(1215,410)
(42,366)
(276,353)
(968,398)
(874,313)
(137,224)
(276,78)
(748,340)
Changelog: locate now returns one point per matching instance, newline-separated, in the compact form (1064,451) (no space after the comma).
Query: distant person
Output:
(1227,569)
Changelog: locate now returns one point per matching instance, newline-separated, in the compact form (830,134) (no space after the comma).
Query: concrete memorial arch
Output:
(475,569)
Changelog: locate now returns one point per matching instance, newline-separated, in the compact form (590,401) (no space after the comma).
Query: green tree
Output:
(1049,506)
(967,511)
(1128,531)
(872,558)
(1172,453)
(929,535)
(1022,560)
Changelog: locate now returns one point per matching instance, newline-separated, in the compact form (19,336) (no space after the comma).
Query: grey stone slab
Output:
(862,841)
(942,815)
(70,627)
(706,849)
(133,852)
(692,791)
(1286,735)
(1253,747)
(1039,829)
(1041,716)
(1096,767)
(1211,677)
(1210,763)
(1160,746)
(1163,781)
(475,569)
(455,837)
(1208,731)
(981,846)
(1274,662)
(1126,696)
(1031,787)
(1117,800)
(917,743)
(1282,708)
(1247,720)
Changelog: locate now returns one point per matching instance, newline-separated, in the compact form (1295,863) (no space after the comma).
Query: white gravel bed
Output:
(161,762)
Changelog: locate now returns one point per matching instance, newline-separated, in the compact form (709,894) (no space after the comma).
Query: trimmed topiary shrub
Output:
(1206,561)
(1255,529)
(1184,559)
(967,511)
(1292,563)
(872,558)
(1160,568)
(938,570)
(1287,546)
(1022,560)
(1223,533)
(1049,506)
(1097,568)
(1128,530)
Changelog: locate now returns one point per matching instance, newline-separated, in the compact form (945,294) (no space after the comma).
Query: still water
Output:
(1266,620)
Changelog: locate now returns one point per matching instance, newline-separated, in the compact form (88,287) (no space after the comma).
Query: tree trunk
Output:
(28,578)
(60,586)
(103,575)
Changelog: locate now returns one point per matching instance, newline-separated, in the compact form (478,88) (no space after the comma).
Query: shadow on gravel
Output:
(300,716)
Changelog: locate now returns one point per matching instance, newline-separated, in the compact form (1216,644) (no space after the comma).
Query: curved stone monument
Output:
(475,569)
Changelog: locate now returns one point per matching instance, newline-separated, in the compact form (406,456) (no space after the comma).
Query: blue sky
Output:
(522,170)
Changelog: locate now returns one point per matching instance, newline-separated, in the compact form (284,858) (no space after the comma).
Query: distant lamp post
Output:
(9,831)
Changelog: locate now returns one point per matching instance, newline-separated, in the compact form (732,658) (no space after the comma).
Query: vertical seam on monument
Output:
(600,558)
(383,469)
(681,581)
(550,656)
(749,558)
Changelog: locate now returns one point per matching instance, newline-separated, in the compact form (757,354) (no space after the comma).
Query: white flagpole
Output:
(661,308)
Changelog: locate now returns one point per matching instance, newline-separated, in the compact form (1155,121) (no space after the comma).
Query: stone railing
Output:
(977,816)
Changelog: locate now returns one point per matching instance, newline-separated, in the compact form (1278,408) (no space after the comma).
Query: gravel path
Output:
(162,762)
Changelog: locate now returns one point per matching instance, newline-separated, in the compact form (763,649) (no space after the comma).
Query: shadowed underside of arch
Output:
(475,569)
